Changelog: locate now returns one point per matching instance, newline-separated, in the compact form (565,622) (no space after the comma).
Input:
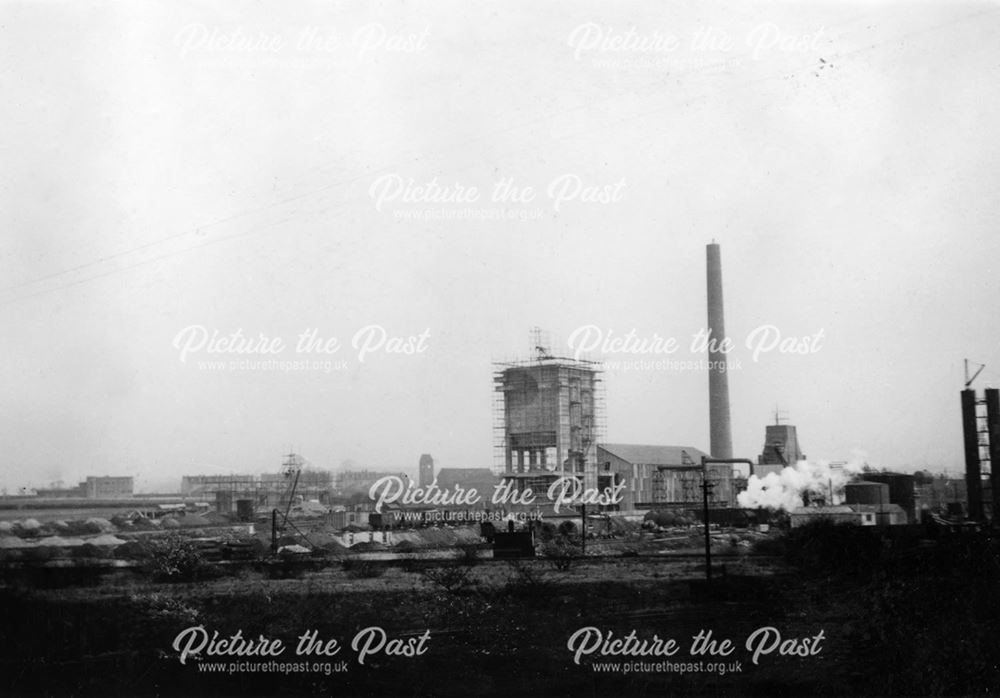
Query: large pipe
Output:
(721,436)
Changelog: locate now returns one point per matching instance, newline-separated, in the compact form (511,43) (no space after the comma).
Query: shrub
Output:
(567,528)
(451,579)
(165,609)
(526,581)
(562,553)
(663,518)
(174,559)
(468,554)
(362,569)
(405,546)
(547,531)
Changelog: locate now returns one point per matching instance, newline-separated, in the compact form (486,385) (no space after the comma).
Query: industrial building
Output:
(902,490)
(208,485)
(358,482)
(865,504)
(547,419)
(108,487)
(834,513)
(483,480)
(94,487)
(664,476)
(245,493)
(856,514)
(942,495)
(781,448)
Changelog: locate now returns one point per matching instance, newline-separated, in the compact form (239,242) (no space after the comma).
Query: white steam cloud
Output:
(784,490)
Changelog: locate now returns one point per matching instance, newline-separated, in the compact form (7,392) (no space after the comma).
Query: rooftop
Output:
(644,454)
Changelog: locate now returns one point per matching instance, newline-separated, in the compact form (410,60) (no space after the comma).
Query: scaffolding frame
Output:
(566,417)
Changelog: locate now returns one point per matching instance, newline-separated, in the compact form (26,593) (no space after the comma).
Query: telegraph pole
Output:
(705,486)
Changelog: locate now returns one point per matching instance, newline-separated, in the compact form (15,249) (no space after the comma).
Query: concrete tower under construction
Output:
(547,416)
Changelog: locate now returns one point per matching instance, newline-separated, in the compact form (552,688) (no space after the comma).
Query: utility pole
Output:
(705,486)
(274,531)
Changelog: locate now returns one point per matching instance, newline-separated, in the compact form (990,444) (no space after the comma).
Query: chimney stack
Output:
(718,380)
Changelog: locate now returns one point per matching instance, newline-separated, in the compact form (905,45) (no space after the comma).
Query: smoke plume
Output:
(784,490)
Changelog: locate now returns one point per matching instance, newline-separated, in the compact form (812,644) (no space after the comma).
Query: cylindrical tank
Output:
(901,490)
(874,493)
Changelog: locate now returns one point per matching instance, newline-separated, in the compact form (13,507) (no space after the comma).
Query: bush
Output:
(174,559)
(404,546)
(164,609)
(468,554)
(526,581)
(562,553)
(567,528)
(362,569)
(451,579)
(547,531)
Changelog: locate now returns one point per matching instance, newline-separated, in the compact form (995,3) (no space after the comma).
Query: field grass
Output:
(897,620)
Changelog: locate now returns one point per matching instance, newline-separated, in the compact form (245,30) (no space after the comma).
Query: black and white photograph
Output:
(461,348)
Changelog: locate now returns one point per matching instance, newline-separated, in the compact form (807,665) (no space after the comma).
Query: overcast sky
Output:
(171,168)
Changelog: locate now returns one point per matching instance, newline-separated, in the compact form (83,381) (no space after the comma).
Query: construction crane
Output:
(291,468)
(968,379)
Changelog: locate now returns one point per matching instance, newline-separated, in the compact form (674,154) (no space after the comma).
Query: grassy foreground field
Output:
(908,621)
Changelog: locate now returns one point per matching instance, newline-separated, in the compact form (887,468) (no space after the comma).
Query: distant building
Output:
(902,491)
(106,487)
(664,475)
(426,475)
(480,479)
(208,485)
(855,514)
(781,448)
(837,514)
(351,482)
(78,491)
(881,490)
(265,491)
(884,514)
(943,494)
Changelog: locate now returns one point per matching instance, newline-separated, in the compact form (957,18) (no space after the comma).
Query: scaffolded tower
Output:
(981,430)
(547,413)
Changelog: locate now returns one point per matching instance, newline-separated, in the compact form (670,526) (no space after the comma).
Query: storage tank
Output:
(863,492)
(902,487)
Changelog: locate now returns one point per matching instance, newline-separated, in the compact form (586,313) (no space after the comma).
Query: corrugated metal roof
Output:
(642,454)
(817,511)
